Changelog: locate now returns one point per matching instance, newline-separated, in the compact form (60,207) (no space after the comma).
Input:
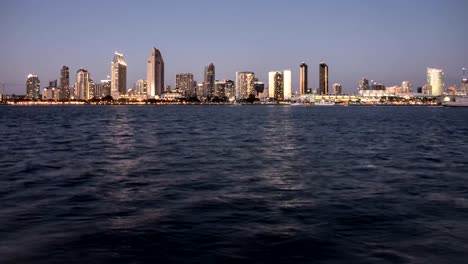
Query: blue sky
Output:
(387,41)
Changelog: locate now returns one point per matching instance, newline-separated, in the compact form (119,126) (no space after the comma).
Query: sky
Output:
(382,40)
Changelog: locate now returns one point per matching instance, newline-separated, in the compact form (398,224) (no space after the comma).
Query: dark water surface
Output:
(224,184)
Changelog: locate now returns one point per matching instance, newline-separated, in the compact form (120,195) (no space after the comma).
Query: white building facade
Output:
(435,81)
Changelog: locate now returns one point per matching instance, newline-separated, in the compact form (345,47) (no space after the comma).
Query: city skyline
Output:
(389,42)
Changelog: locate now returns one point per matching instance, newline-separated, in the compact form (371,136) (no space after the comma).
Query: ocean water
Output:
(233,184)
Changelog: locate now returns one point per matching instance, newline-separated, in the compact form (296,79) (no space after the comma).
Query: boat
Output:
(455,101)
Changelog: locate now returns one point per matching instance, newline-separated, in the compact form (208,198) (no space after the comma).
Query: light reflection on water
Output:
(256,184)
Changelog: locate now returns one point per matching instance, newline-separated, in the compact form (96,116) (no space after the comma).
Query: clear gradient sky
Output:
(387,41)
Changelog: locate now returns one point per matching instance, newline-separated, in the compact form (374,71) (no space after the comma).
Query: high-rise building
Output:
(276,85)
(406,87)
(51,92)
(141,87)
(119,76)
(230,89)
(64,83)
(82,85)
(303,78)
(464,85)
(53,83)
(92,89)
(98,91)
(323,78)
(106,88)
(220,89)
(245,84)
(155,74)
(287,84)
(435,81)
(259,87)
(337,88)
(280,85)
(186,84)
(364,85)
(209,80)
(201,93)
(33,87)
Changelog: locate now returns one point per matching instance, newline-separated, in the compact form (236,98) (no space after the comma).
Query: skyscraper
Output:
(209,80)
(186,84)
(82,85)
(64,83)
(201,93)
(33,87)
(303,78)
(119,76)
(287,84)
(141,87)
(280,85)
(276,85)
(155,73)
(259,87)
(406,87)
(364,84)
(245,84)
(106,88)
(323,78)
(337,88)
(220,89)
(435,81)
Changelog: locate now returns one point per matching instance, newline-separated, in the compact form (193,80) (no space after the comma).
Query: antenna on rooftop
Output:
(464,75)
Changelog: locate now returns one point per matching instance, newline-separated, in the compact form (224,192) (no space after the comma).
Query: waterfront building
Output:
(220,89)
(229,90)
(92,89)
(303,78)
(323,78)
(276,85)
(377,86)
(364,85)
(209,80)
(106,88)
(337,88)
(406,87)
(186,83)
(98,90)
(33,87)
(259,87)
(141,87)
(51,92)
(53,83)
(64,83)
(201,91)
(371,88)
(394,89)
(82,85)
(245,84)
(155,74)
(118,75)
(435,81)
(280,85)
(464,85)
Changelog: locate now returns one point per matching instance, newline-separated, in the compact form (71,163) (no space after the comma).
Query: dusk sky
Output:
(386,41)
